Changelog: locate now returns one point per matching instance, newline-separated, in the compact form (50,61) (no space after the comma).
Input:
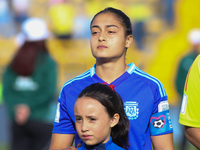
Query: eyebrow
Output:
(77,115)
(107,26)
(89,116)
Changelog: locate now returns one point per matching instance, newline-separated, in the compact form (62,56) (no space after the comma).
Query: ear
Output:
(129,41)
(114,120)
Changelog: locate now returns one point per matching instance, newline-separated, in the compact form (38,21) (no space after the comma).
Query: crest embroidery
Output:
(131,109)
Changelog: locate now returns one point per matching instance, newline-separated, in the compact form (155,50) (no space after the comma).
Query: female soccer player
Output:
(100,118)
(144,97)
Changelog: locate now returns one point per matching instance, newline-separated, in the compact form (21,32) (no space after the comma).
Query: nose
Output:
(84,126)
(102,37)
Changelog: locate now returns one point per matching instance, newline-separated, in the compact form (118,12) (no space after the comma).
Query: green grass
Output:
(4,147)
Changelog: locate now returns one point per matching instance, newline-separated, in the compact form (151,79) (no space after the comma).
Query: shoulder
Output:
(49,59)
(111,145)
(193,77)
(8,71)
(77,81)
(196,64)
(197,60)
(152,81)
(195,68)
(45,60)
(114,146)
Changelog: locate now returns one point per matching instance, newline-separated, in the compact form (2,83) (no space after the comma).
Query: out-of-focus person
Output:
(20,9)
(7,27)
(183,68)
(29,87)
(1,91)
(81,23)
(187,60)
(190,109)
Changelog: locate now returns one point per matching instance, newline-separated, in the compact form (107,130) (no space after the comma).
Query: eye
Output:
(94,33)
(93,119)
(78,119)
(111,31)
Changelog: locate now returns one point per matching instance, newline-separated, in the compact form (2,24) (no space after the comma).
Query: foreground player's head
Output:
(120,16)
(99,114)
(111,35)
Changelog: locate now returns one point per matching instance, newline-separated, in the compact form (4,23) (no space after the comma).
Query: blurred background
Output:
(160,31)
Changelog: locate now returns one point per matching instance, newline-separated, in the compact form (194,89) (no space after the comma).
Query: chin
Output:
(103,60)
(89,143)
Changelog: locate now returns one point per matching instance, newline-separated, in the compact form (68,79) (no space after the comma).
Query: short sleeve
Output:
(63,123)
(190,108)
(160,121)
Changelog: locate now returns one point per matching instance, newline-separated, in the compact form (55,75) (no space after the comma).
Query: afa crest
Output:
(131,109)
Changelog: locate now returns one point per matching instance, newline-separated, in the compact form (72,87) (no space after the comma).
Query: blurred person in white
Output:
(29,87)
(183,68)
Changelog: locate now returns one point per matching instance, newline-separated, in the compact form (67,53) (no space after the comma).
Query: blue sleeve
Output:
(63,123)
(160,122)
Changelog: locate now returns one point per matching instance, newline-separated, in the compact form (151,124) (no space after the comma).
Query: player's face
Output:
(108,39)
(92,121)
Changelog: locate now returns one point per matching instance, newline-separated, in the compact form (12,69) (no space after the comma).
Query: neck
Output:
(110,71)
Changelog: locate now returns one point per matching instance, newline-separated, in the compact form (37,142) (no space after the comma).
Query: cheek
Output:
(78,128)
(101,129)
(119,42)
(93,41)
(92,44)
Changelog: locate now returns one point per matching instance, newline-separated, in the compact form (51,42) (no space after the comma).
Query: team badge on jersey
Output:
(131,109)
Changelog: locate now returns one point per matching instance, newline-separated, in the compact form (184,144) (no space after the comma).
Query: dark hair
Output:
(113,103)
(121,16)
(25,59)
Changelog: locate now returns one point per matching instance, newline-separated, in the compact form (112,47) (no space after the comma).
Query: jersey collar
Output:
(129,70)
(116,82)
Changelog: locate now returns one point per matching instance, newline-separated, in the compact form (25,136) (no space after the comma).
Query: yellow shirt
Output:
(190,109)
(61,18)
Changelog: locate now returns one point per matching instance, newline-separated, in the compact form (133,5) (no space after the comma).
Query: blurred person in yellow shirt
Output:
(61,18)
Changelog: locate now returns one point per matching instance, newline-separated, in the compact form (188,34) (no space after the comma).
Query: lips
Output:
(86,137)
(101,47)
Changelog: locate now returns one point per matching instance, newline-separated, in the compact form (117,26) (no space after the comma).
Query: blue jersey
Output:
(106,146)
(145,104)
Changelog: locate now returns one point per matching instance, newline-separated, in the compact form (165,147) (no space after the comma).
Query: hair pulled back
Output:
(121,16)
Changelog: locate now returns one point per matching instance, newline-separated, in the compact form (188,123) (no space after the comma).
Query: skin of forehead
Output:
(82,99)
(107,18)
